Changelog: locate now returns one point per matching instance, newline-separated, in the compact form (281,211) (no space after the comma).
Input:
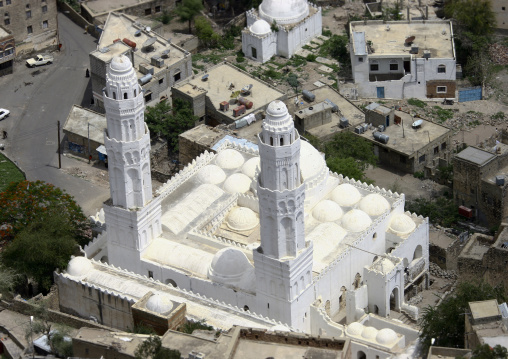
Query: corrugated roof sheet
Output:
(475,155)
(359,43)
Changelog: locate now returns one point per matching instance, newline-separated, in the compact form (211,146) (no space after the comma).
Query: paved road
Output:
(37,99)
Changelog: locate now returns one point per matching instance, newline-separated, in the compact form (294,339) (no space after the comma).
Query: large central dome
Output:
(284,11)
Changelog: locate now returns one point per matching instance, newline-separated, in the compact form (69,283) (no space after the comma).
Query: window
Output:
(161,81)
(45,24)
(177,77)
(503,8)
(394,67)
(402,158)
(436,150)
(6,14)
(441,69)
(7,2)
(44,9)
(148,97)
(29,29)
(150,274)
(7,21)
(441,89)
(421,159)
(360,59)
(374,67)
(443,146)
(254,52)
(29,14)
(28,6)
(157,9)
(125,95)
(148,11)
(1,3)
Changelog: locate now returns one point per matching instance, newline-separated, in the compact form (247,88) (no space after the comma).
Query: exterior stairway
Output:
(403,317)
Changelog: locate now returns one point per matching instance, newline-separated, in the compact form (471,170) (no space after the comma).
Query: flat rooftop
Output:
(389,39)
(484,309)
(225,81)
(78,120)
(406,140)
(3,32)
(475,155)
(99,7)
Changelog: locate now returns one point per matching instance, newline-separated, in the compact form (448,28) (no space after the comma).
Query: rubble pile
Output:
(415,300)
(436,271)
(499,54)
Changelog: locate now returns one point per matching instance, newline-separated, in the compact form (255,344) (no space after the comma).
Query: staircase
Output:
(403,317)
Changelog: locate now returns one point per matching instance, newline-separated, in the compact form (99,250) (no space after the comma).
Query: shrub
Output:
(416,102)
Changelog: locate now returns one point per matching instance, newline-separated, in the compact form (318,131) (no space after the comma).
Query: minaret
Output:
(132,217)
(283,262)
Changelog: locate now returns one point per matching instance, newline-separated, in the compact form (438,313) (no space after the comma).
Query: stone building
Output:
(7,51)
(479,183)
(484,324)
(32,23)
(403,59)
(500,9)
(159,65)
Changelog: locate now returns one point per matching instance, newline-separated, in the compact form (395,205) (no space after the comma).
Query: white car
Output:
(39,60)
(4,113)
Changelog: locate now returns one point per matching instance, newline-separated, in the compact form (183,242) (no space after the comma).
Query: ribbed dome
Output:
(120,63)
(276,109)
(237,183)
(242,219)
(249,167)
(327,211)
(79,266)
(369,333)
(228,264)
(229,159)
(354,328)
(402,224)
(356,221)
(386,336)
(346,195)
(374,204)
(260,27)
(283,11)
(211,174)
(159,303)
(384,265)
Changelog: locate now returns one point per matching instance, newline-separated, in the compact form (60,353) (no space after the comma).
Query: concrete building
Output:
(448,353)
(96,12)
(403,59)
(7,51)
(500,9)
(485,325)
(479,183)
(159,64)
(423,148)
(214,95)
(32,23)
(280,28)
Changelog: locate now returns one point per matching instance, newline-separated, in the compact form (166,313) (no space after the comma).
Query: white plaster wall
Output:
(370,351)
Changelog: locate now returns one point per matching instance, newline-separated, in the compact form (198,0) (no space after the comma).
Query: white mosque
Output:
(280,27)
(265,235)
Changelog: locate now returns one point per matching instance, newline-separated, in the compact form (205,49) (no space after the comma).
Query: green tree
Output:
(8,279)
(347,167)
(338,48)
(441,210)
(486,352)
(24,202)
(445,322)
(473,16)
(155,117)
(152,348)
(189,327)
(205,33)
(45,244)
(188,10)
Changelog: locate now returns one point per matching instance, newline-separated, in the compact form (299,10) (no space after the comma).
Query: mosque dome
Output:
(237,183)
(386,336)
(374,204)
(229,265)
(159,303)
(356,221)
(260,27)
(354,328)
(79,266)
(120,63)
(402,224)
(249,167)
(242,219)
(384,265)
(369,333)
(327,211)
(312,163)
(211,174)
(229,159)
(277,117)
(346,195)
(284,12)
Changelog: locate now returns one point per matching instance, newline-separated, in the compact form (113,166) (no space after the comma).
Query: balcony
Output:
(386,77)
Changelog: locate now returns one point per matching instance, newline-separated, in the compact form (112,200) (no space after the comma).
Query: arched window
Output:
(114,95)
(271,141)
(135,93)
(125,95)
(441,69)
(282,141)
(171,282)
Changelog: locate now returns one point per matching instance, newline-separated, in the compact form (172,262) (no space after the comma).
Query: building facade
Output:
(7,51)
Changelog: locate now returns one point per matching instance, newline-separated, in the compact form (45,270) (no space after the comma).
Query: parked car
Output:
(4,113)
(39,60)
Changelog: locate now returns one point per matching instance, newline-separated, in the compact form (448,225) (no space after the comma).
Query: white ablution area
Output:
(280,27)
(260,236)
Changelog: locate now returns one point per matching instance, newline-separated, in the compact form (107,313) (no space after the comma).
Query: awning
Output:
(102,149)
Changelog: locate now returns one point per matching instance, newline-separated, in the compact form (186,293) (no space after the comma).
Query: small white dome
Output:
(374,204)
(354,328)
(79,266)
(356,221)
(386,336)
(120,63)
(242,219)
(327,211)
(402,224)
(312,162)
(159,303)
(228,265)
(260,27)
(211,174)
(346,195)
(369,333)
(229,159)
(284,12)
(276,109)
(237,183)
(249,167)
(384,265)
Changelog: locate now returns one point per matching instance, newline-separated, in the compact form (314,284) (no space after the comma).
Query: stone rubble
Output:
(436,271)
(499,54)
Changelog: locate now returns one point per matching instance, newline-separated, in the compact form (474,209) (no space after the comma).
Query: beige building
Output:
(485,324)
(500,8)
(7,51)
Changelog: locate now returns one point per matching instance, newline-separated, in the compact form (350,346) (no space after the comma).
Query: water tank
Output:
(129,43)
(335,108)
(378,136)
(365,126)
(359,130)
(343,122)
(500,180)
(426,54)
(243,101)
(309,96)
(145,79)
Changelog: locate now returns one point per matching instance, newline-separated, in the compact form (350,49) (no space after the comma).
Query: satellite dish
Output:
(410,40)
(417,123)
(148,28)
(165,53)
(150,42)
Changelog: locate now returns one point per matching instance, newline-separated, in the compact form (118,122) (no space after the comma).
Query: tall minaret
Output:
(132,217)
(283,262)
